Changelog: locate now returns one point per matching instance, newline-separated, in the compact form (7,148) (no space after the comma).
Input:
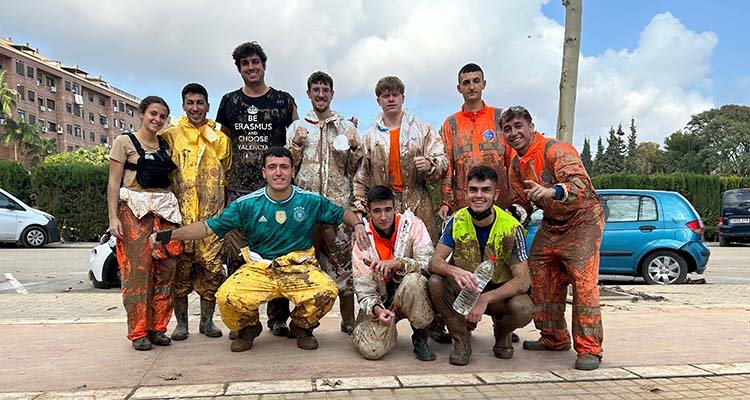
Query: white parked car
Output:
(22,224)
(104,271)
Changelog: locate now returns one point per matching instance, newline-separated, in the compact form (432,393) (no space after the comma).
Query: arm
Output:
(434,151)
(570,173)
(355,223)
(438,265)
(364,283)
(422,250)
(295,142)
(361,180)
(518,191)
(356,151)
(195,231)
(226,153)
(116,170)
(446,187)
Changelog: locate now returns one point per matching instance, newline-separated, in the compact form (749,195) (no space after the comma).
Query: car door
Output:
(631,224)
(8,218)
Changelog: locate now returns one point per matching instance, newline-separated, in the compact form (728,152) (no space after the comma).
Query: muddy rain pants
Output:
(559,259)
(147,275)
(411,301)
(202,270)
(295,276)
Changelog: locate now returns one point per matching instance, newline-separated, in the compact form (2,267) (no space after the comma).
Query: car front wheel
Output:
(34,236)
(664,267)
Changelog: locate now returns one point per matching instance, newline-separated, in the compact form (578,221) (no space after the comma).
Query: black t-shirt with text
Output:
(255,124)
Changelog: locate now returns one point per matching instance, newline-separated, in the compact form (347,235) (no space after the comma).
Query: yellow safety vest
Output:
(467,254)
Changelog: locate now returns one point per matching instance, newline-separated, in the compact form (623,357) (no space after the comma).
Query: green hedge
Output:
(703,191)
(16,180)
(76,194)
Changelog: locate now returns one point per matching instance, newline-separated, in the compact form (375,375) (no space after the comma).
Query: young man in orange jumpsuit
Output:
(550,175)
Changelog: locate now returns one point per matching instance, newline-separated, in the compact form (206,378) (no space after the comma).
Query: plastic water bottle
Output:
(467,298)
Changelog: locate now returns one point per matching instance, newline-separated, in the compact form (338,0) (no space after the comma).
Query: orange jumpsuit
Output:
(474,138)
(566,247)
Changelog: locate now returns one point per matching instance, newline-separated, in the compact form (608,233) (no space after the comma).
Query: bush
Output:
(16,180)
(75,192)
(703,191)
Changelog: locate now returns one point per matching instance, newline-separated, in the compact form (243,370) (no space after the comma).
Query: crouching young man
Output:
(474,234)
(389,280)
(278,221)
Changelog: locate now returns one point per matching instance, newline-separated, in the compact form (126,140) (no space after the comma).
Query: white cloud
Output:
(156,47)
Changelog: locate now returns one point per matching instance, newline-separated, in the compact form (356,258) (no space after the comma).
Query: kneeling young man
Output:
(389,280)
(278,221)
(474,234)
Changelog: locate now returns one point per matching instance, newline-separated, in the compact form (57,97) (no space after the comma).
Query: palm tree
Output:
(20,133)
(8,97)
(40,149)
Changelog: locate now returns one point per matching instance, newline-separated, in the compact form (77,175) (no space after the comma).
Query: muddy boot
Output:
(305,338)
(503,347)
(141,344)
(181,315)
(159,339)
(207,326)
(438,332)
(461,349)
(346,307)
(419,341)
(588,362)
(539,346)
(232,335)
(245,337)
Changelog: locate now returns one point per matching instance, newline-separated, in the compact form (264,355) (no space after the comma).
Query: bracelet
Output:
(164,236)
(358,223)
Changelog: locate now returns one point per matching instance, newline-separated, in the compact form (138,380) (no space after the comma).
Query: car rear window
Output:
(738,198)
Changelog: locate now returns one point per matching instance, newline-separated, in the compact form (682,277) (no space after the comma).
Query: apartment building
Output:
(78,110)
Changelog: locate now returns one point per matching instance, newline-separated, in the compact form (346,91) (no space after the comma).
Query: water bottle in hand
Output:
(467,298)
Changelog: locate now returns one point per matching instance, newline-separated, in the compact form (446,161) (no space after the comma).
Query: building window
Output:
(20,69)
(49,81)
(77,131)
(32,119)
(114,105)
(52,126)
(122,123)
(32,95)
(69,129)
(91,117)
(76,88)
(70,148)
(21,114)
(77,110)
(40,101)
(103,140)
(102,101)
(30,71)
(114,122)
(92,136)
(122,106)
(68,108)
(51,104)
(91,97)
(130,112)
(21,92)
(102,119)
(67,86)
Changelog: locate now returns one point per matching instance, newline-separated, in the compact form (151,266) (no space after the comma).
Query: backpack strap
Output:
(138,148)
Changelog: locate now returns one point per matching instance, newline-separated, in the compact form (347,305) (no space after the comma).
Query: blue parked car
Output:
(650,233)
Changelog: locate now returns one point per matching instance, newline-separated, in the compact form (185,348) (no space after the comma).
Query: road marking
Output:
(16,284)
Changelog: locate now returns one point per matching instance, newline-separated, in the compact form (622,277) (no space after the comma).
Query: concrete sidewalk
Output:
(74,346)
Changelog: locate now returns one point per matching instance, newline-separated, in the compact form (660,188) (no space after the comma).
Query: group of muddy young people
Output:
(307,210)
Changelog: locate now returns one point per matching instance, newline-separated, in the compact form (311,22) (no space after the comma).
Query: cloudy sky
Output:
(657,61)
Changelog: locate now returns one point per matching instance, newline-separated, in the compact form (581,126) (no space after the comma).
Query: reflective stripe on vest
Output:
(466,252)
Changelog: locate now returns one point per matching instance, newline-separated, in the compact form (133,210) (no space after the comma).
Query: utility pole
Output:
(569,73)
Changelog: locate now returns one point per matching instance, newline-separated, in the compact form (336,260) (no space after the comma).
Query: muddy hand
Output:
(422,164)
(537,192)
(300,136)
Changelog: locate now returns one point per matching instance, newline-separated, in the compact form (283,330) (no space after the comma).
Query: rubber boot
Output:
(588,362)
(181,315)
(305,338)
(159,339)
(278,312)
(141,344)
(461,352)
(421,348)
(503,347)
(207,326)
(539,346)
(437,331)
(346,307)
(245,337)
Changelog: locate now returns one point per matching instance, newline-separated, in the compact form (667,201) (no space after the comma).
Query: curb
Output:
(331,384)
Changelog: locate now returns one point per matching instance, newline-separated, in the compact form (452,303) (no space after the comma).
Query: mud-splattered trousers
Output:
(295,276)
(324,170)
(417,138)
(566,247)
(405,294)
(203,156)
(474,138)
(147,275)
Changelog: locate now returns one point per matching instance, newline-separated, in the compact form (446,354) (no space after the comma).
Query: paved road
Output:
(64,268)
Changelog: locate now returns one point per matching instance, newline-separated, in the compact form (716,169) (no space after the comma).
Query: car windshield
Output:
(737,199)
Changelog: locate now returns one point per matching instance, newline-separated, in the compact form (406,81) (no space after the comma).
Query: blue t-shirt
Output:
(274,228)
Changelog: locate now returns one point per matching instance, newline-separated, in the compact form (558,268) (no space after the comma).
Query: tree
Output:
(21,134)
(630,163)
(8,98)
(613,160)
(97,155)
(682,153)
(649,158)
(599,157)
(725,133)
(41,148)
(586,156)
